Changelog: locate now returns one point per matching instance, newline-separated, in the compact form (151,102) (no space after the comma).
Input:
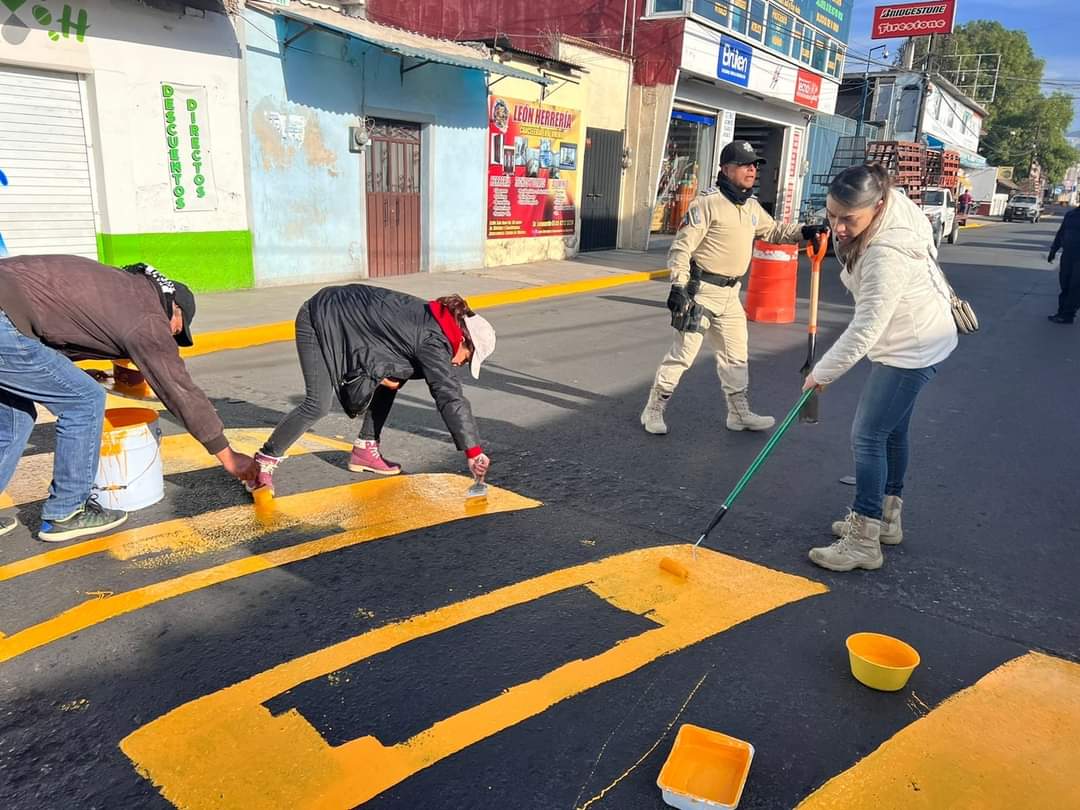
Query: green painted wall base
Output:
(204,260)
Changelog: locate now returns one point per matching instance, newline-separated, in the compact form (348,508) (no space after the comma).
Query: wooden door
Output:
(393,199)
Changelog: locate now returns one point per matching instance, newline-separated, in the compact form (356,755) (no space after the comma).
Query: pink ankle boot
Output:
(265,478)
(367,458)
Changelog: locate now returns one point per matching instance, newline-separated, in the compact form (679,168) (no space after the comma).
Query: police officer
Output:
(1068,242)
(707,260)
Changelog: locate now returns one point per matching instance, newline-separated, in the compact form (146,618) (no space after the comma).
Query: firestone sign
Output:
(913,19)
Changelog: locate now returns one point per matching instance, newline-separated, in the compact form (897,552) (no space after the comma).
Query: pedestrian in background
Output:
(361,344)
(1067,241)
(55,308)
(708,258)
(904,324)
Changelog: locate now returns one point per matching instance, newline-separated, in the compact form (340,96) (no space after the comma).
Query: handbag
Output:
(967,322)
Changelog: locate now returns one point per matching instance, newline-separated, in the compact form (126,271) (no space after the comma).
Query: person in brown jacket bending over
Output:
(53,308)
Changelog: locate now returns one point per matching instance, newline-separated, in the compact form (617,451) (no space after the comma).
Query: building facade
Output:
(121,137)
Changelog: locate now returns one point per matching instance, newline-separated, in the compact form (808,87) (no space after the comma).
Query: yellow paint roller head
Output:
(674,567)
(263,496)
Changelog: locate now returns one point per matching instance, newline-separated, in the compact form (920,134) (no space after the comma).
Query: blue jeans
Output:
(32,372)
(879,435)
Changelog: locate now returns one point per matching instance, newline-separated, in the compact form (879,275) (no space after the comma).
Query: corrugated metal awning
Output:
(404,43)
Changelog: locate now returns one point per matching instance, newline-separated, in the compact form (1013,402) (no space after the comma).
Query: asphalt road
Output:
(479,703)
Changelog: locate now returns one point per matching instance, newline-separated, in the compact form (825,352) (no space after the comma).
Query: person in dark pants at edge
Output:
(903,322)
(53,308)
(1068,242)
(708,258)
(361,344)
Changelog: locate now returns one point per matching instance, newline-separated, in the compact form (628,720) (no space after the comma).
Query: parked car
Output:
(1023,206)
(940,207)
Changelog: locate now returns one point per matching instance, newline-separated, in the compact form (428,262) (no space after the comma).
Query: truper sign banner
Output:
(913,20)
(532,168)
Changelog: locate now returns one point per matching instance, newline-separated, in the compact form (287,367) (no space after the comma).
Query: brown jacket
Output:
(85,309)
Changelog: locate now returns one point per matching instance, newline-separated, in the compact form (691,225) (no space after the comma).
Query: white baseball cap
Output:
(483,340)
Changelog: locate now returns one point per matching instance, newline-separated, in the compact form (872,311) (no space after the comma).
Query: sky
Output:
(1052,26)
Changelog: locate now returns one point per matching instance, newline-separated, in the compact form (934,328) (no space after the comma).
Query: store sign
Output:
(187,143)
(830,16)
(734,63)
(913,20)
(532,169)
(792,179)
(807,89)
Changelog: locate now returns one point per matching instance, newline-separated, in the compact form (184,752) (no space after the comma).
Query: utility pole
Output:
(866,84)
(924,89)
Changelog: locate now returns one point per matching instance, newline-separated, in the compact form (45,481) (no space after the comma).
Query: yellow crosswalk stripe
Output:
(1008,741)
(356,513)
(180,453)
(227,750)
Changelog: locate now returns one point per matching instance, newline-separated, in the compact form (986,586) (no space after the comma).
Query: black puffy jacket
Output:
(1068,236)
(367,334)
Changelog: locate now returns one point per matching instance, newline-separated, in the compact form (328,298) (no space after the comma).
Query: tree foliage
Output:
(1023,124)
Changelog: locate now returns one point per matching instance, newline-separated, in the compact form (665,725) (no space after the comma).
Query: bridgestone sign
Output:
(913,20)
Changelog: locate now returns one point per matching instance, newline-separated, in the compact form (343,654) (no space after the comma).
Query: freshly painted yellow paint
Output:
(355,513)
(180,453)
(1009,741)
(227,750)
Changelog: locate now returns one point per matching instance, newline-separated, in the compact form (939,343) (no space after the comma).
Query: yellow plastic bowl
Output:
(881,662)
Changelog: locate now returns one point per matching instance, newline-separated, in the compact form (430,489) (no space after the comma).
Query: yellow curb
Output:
(249,336)
(974,225)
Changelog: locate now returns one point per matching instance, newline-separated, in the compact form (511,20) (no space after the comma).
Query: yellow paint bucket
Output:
(881,662)
(706,770)
(130,474)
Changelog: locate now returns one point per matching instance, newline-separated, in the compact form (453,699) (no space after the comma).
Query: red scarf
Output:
(449,325)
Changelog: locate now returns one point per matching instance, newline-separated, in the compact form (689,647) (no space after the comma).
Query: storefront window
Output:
(666,6)
(757,20)
(686,169)
(778,35)
(821,52)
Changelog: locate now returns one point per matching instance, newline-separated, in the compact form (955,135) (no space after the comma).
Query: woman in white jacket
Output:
(903,323)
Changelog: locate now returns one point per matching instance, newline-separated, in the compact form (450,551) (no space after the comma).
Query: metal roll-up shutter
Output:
(47,205)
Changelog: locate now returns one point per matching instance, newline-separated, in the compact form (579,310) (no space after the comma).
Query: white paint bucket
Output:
(130,475)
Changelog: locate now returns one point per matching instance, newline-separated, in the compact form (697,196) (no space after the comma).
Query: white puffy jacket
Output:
(902,312)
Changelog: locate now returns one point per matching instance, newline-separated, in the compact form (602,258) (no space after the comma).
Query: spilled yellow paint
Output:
(357,513)
(1009,741)
(226,750)
(180,453)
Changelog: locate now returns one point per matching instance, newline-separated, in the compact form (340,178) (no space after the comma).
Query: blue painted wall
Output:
(307,188)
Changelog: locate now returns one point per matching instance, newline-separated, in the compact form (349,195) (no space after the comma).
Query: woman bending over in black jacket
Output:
(361,344)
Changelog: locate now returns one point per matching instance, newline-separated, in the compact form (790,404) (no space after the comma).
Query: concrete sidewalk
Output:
(492,286)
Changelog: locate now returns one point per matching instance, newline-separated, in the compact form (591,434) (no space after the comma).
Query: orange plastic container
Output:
(705,770)
(770,293)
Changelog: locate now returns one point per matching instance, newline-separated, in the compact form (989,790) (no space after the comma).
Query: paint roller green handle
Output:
(753,468)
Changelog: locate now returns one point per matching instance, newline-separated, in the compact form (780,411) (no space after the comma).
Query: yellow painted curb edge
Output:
(249,336)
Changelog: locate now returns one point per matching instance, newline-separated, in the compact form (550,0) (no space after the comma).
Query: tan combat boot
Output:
(652,418)
(891,530)
(740,417)
(858,547)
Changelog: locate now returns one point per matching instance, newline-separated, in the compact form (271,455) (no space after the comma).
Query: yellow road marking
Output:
(180,453)
(359,513)
(226,750)
(1008,741)
(261,334)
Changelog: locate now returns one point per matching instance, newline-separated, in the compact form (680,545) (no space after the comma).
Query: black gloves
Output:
(677,299)
(1051,258)
(811,233)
